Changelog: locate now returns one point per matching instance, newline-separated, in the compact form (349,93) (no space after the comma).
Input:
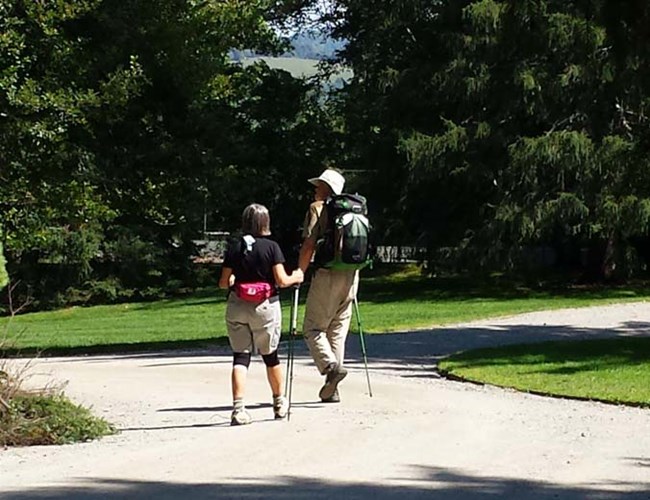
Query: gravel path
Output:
(419,436)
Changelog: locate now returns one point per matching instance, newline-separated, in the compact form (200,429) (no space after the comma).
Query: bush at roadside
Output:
(39,419)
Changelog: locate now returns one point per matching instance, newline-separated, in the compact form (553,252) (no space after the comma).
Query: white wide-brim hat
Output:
(332,178)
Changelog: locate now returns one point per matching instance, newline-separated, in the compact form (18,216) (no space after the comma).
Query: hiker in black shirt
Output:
(253,269)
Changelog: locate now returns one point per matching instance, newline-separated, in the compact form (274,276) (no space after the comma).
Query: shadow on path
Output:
(432,483)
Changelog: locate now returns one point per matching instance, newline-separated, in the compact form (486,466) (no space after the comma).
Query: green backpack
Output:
(346,241)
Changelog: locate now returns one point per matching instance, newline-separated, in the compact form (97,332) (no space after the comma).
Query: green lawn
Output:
(613,370)
(173,322)
(393,302)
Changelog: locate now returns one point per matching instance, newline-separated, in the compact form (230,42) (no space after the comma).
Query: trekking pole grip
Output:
(294,309)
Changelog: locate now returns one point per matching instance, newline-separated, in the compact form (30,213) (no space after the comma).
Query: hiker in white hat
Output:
(332,179)
(329,301)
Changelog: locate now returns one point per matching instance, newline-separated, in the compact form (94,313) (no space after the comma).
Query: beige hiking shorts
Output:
(254,326)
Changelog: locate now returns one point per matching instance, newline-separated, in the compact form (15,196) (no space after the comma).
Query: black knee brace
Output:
(241,358)
(271,360)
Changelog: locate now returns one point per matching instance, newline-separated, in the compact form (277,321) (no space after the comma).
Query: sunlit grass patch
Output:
(612,370)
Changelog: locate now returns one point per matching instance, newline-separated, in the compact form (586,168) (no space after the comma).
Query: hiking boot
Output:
(280,407)
(240,417)
(335,374)
(335,398)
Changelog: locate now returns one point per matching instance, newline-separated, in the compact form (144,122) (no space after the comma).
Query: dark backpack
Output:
(345,244)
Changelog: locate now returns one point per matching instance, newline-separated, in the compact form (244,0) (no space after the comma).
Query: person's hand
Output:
(298,275)
(231,281)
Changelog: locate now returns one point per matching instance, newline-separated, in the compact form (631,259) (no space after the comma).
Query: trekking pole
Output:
(292,333)
(363,343)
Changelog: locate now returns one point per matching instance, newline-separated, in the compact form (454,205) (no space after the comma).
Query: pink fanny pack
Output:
(254,292)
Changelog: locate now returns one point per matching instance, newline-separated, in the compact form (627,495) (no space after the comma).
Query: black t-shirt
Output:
(257,264)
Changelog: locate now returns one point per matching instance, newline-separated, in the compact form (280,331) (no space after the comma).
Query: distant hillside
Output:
(308,46)
(302,61)
(305,46)
(297,66)
(300,68)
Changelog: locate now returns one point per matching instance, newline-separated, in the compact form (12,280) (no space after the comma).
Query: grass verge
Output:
(388,303)
(612,370)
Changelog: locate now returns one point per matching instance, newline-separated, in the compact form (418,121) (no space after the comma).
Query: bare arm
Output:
(283,279)
(227,278)
(306,253)
(313,227)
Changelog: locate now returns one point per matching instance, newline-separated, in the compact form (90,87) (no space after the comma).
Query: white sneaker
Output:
(240,417)
(280,408)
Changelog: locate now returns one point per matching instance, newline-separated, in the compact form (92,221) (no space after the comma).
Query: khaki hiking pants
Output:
(328,312)
(253,326)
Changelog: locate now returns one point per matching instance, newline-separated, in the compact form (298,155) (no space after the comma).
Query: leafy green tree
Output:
(205,136)
(46,200)
(4,279)
(125,125)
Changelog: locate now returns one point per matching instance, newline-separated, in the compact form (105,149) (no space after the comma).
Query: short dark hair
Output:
(256,220)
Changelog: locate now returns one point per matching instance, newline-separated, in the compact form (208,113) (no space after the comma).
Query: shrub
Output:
(38,419)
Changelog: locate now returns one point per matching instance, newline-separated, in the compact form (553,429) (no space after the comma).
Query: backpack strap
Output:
(325,245)
(247,244)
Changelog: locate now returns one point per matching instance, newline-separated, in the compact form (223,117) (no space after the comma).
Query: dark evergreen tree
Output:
(498,126)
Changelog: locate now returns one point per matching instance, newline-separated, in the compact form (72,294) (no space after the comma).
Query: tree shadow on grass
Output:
(118,348)
(580,355)
(427,347)
(421,482)
(380,290)
(210,297)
